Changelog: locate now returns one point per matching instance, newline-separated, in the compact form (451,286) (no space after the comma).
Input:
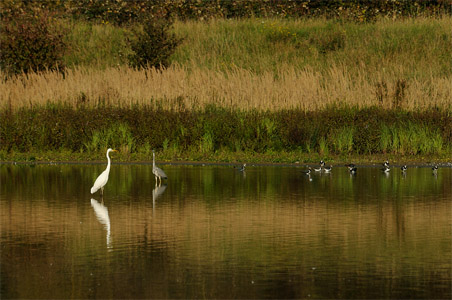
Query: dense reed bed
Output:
(237,88)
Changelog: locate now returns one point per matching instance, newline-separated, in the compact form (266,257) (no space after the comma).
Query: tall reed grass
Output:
(263,64)
(178,88)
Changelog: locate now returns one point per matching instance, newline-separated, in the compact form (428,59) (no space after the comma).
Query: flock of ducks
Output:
(352,168)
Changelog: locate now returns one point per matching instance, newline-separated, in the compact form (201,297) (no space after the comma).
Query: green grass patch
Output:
(412,139)
(410,47)
(205,133)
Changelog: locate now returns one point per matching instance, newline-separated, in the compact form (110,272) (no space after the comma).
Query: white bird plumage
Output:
(322,164)
(102,180)
(328,169)
(159,174)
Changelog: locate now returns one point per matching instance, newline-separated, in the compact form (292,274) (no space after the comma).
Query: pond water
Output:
(215,232)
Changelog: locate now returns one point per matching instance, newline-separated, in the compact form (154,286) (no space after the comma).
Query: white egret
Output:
(159,174)
(101,181)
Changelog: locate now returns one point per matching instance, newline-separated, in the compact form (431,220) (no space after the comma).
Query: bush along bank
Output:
(198,135)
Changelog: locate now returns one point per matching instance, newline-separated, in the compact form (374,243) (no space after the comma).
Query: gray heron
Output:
(159,174)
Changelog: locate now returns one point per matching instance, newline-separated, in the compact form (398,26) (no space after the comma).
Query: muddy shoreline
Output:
(411,164)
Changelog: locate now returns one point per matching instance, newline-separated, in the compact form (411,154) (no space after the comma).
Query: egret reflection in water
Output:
(101,212)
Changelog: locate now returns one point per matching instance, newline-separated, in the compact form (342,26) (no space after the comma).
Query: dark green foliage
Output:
(120,11)
(153,46)
(30,42)
(335,130)
(126,11)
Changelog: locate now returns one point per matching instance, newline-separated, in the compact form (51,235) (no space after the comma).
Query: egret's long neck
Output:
(109,163)
(153,159)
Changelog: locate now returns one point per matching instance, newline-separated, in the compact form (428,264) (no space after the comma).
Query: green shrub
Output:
(31,43)
(154,45)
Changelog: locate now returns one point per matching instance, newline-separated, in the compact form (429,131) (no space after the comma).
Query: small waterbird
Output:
(403,168)
(435,170)
(307,172)
(242,168)
(386,164)
(328,169)
(352,169)
(322,164)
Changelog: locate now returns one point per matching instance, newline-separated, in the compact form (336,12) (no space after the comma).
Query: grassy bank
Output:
(253,89)
(259,64)
(224,135)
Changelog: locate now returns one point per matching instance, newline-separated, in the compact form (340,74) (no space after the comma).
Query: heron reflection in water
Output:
(101,212)
(156,193)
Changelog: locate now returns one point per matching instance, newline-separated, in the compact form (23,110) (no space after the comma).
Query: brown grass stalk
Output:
(238,88)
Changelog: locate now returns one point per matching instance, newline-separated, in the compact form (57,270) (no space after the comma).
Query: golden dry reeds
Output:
(238,88)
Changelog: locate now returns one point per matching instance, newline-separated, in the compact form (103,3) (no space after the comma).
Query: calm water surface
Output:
(214,232)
